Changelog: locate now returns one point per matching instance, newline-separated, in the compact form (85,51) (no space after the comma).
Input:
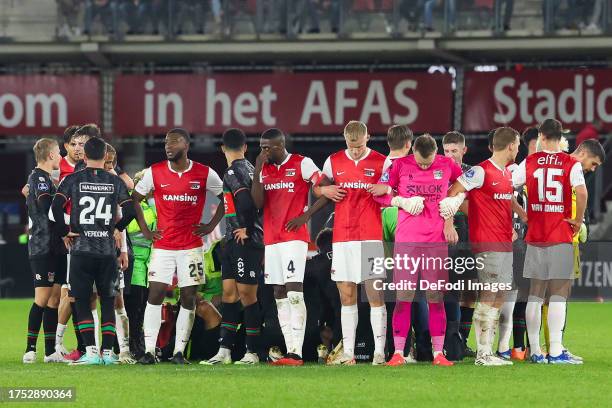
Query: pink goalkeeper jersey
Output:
(409,180)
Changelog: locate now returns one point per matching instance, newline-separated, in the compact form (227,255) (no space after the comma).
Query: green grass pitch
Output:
(589,334)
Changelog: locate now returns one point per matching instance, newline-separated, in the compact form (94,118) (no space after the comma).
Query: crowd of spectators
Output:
(175,17)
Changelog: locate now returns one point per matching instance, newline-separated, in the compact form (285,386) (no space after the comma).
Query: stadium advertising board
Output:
(524,98)
(307,103)
(47,104)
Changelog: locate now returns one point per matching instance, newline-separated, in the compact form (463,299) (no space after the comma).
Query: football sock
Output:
(109,333)
(378,320)
(59,334)
(556,322)
(252,326)
(467,314)
(533,320)
(401,324)
(298,320)
(85,324)
(437,325)
(123,330)
(485,319)
(518,325)
(349,317)
(284,320)
(75,324)
(49,327)
(152,323)
(230,320)
(96,319)
(505,321)
(34,320)
(545,326)
(184,323)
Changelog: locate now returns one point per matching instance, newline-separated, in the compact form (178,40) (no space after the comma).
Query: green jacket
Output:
(133,229)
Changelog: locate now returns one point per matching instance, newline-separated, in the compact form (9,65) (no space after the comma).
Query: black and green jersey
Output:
(236,179)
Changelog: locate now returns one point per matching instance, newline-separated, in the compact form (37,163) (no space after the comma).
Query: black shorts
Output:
(87,270)
(43,271)
(242,262)
(61,268)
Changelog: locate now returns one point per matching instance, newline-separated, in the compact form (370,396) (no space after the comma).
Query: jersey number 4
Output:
(102,212)
(550,188)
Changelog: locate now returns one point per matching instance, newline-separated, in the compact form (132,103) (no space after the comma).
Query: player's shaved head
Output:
(398,136)
(95,149)
(180,132)
(272,141)
(177,144)
(503,137)
(234,139)
(425,145)
(273,134)
(355,130)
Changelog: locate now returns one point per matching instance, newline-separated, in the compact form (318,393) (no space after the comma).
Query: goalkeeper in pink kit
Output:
(420,181)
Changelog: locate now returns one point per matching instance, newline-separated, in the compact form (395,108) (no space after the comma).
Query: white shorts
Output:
(353,261)
(285,262)
(188,264)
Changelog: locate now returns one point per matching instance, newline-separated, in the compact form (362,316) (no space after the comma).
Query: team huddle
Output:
(420,202)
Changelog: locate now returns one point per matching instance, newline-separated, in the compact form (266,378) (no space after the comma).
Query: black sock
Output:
(230,320)
(85,324)
(75,323)
(466,322)
(108,322)
(50,327)
(252,326)
(34,321)
(519,327)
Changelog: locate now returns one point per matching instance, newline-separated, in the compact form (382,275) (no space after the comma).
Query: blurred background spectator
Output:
(135,14)
(106,10)
(590,131)
(68,12)
(597,15)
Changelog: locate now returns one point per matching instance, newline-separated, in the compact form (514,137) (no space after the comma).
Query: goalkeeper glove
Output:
(450,205)
(583,234)
(412,205)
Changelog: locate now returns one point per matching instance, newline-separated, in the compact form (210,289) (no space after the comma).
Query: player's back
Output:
(239,176)
(94,195)
(549,192)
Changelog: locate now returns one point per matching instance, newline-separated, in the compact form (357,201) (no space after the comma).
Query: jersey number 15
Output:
(550,188)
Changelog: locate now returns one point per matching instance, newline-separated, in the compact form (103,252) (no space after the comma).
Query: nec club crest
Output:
(437,174)
(195,185)
(290,173)
(369,172)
